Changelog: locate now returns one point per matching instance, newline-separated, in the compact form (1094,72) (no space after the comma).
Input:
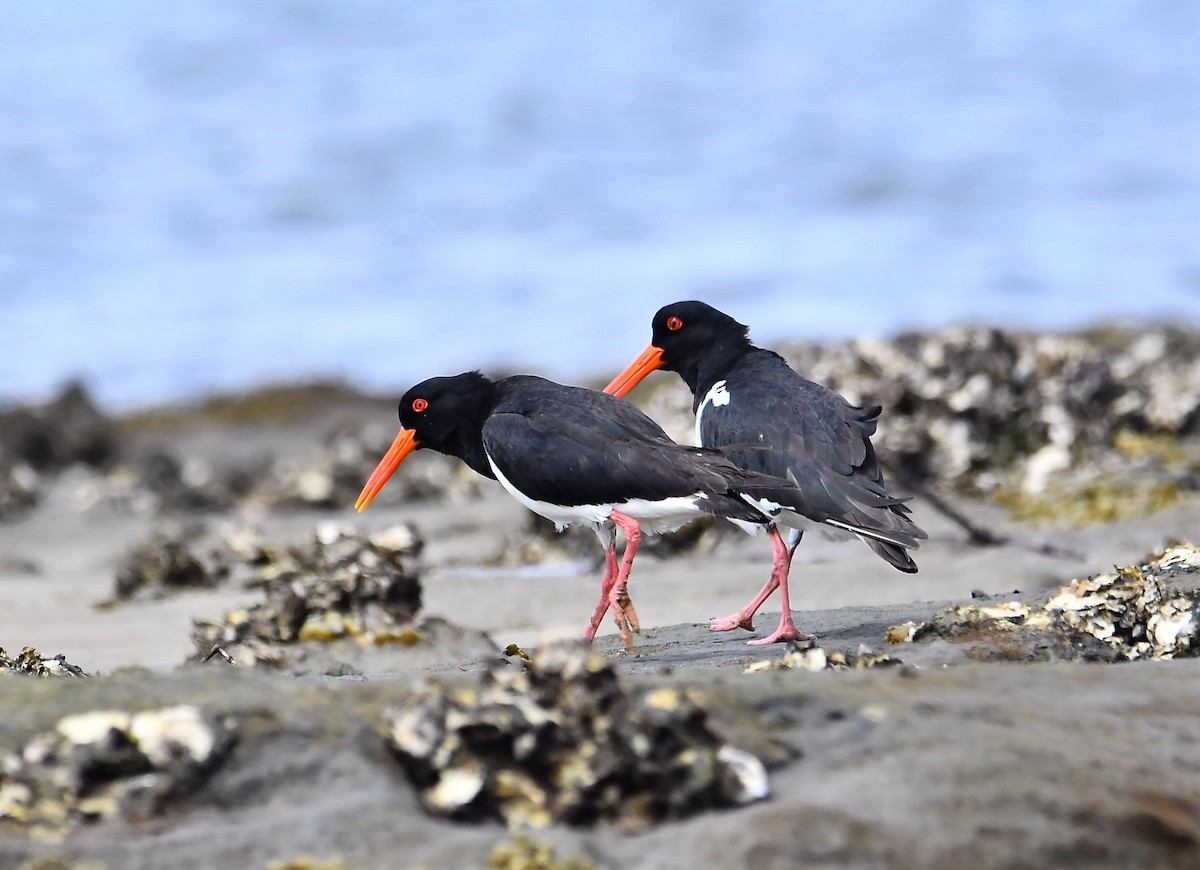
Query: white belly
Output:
(654,517)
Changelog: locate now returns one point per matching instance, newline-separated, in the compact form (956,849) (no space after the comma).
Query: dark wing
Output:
(562,453)
(779,423)
(571,446)
(612,417)
(806,425)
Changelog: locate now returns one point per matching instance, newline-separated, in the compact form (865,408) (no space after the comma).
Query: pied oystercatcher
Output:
(750,403)
(578,456)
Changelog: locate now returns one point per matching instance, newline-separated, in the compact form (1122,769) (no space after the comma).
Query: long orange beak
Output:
(650,360)
(405,443)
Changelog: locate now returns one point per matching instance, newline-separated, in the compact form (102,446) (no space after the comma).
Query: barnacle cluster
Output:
(104,763)
(1140,611)
(1132,609)
(559,739)
(814,658)
(340,585)
(1066,429)
(170,560)
(30,662)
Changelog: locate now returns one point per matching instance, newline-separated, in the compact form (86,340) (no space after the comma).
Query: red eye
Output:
(420,405)
(674,323)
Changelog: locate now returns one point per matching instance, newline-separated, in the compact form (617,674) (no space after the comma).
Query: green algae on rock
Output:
(522,852)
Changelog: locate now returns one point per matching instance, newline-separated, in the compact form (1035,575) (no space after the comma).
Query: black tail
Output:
(860,506)
(895,556)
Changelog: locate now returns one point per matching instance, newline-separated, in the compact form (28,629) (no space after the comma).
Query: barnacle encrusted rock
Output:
(167,562)
(105,763)
(1075,428)
(340,585)
(1147,611)
(67,430)
(1132,610)
(20,487)
(814,658)
(32,663)
(560,739)
(335,477)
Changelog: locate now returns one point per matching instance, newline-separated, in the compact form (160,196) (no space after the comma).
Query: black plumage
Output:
(578,456)
(766,417)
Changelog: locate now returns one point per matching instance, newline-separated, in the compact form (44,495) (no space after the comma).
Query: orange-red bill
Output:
(405,443)
(650,360)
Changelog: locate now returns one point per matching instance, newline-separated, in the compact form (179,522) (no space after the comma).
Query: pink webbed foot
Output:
(787,631)
(744,618)
(741,619)
(626,616)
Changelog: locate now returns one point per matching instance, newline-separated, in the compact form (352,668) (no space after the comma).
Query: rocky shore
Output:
(209,660)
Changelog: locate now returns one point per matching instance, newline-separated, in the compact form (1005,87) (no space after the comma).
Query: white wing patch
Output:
(717,395)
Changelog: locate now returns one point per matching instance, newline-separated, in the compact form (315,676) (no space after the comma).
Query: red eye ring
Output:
(674,323)
(419,405)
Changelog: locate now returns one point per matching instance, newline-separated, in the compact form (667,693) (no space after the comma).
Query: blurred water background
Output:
(214,194)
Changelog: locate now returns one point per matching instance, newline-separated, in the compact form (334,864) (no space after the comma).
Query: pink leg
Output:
(744,618)
(618,595)
(787,629)
(610,577)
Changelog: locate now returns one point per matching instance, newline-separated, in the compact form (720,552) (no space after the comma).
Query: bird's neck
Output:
(472,453)
(715,365)
(465,441)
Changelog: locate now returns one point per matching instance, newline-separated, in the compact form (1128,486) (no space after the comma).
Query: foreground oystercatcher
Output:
(768,418)
(578,456)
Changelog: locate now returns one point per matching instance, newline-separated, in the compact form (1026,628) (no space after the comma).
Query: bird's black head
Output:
(686,331)
(442,414)
(685,338)
(447,414)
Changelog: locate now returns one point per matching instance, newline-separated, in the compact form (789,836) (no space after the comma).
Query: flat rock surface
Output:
(977,765)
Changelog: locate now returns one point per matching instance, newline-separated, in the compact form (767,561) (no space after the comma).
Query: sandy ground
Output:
(75,556)
(987,765)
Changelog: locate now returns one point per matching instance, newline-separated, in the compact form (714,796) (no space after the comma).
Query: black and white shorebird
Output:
(578,456)
(753,406)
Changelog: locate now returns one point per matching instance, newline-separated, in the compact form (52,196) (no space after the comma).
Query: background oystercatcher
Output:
(579,456)
(766,417)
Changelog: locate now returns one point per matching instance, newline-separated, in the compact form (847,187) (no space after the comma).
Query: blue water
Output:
(199,195)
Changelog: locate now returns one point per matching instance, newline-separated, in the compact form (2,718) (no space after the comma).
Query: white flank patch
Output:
(664,515)
(747,527)
(655,517)
(562,516)
(762,505)
(716,395)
